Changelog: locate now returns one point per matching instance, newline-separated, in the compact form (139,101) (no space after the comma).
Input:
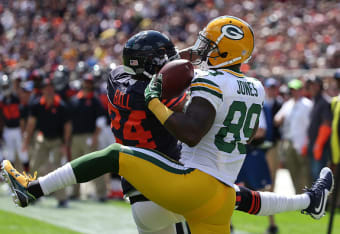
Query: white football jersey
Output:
(238,102)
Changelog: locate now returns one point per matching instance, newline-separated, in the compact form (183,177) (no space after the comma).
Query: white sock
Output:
(58,179)
(273,203)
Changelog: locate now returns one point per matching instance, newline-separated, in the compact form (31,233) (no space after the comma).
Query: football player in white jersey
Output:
(221,118)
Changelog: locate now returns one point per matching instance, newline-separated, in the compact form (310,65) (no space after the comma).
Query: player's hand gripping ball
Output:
(171,81)
(176,77)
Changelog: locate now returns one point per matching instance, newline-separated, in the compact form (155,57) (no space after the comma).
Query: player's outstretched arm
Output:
(188,127)
(189,54)
(191,126)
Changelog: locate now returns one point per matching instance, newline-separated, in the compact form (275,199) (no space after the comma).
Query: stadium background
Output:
(292,38)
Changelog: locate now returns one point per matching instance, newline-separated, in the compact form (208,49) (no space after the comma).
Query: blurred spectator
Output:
(37,76)
(61,83)
(51,118)
(12,134)
(87,112)
(271,106)
(43,34)
(255,173)
(293,117)
(26,89)
(319,130)
(284,92)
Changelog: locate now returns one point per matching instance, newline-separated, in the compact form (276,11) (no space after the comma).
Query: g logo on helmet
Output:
(232,32)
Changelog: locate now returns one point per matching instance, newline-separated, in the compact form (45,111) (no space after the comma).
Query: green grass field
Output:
(289,223)
(115,217)
(13,223)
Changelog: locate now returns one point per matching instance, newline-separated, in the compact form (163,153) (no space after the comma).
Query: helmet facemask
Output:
(157,61)
(203,48)
(151,63)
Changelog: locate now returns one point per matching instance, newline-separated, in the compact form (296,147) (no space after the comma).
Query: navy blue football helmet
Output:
(146,53)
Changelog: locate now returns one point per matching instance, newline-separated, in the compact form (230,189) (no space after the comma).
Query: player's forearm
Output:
(184,128)
(188,54)
(188,127)
(185,53)
(176,123)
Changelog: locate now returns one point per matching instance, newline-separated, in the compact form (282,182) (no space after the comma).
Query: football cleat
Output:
(319,193)
(18,184)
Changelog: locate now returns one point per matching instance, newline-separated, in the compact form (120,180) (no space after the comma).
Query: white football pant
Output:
(13,144)
(151,218)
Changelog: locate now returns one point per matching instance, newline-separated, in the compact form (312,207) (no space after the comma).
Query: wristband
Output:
(161,112)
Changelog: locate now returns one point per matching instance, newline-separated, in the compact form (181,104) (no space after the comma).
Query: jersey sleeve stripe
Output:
(207,86)
(201,88)
(234,73)
(202,80)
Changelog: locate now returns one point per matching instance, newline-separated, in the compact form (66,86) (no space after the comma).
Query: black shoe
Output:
(272,230)
(319,193)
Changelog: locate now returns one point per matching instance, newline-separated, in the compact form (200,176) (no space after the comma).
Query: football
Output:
(177,76)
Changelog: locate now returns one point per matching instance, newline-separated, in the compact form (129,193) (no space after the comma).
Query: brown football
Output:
(177,76)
